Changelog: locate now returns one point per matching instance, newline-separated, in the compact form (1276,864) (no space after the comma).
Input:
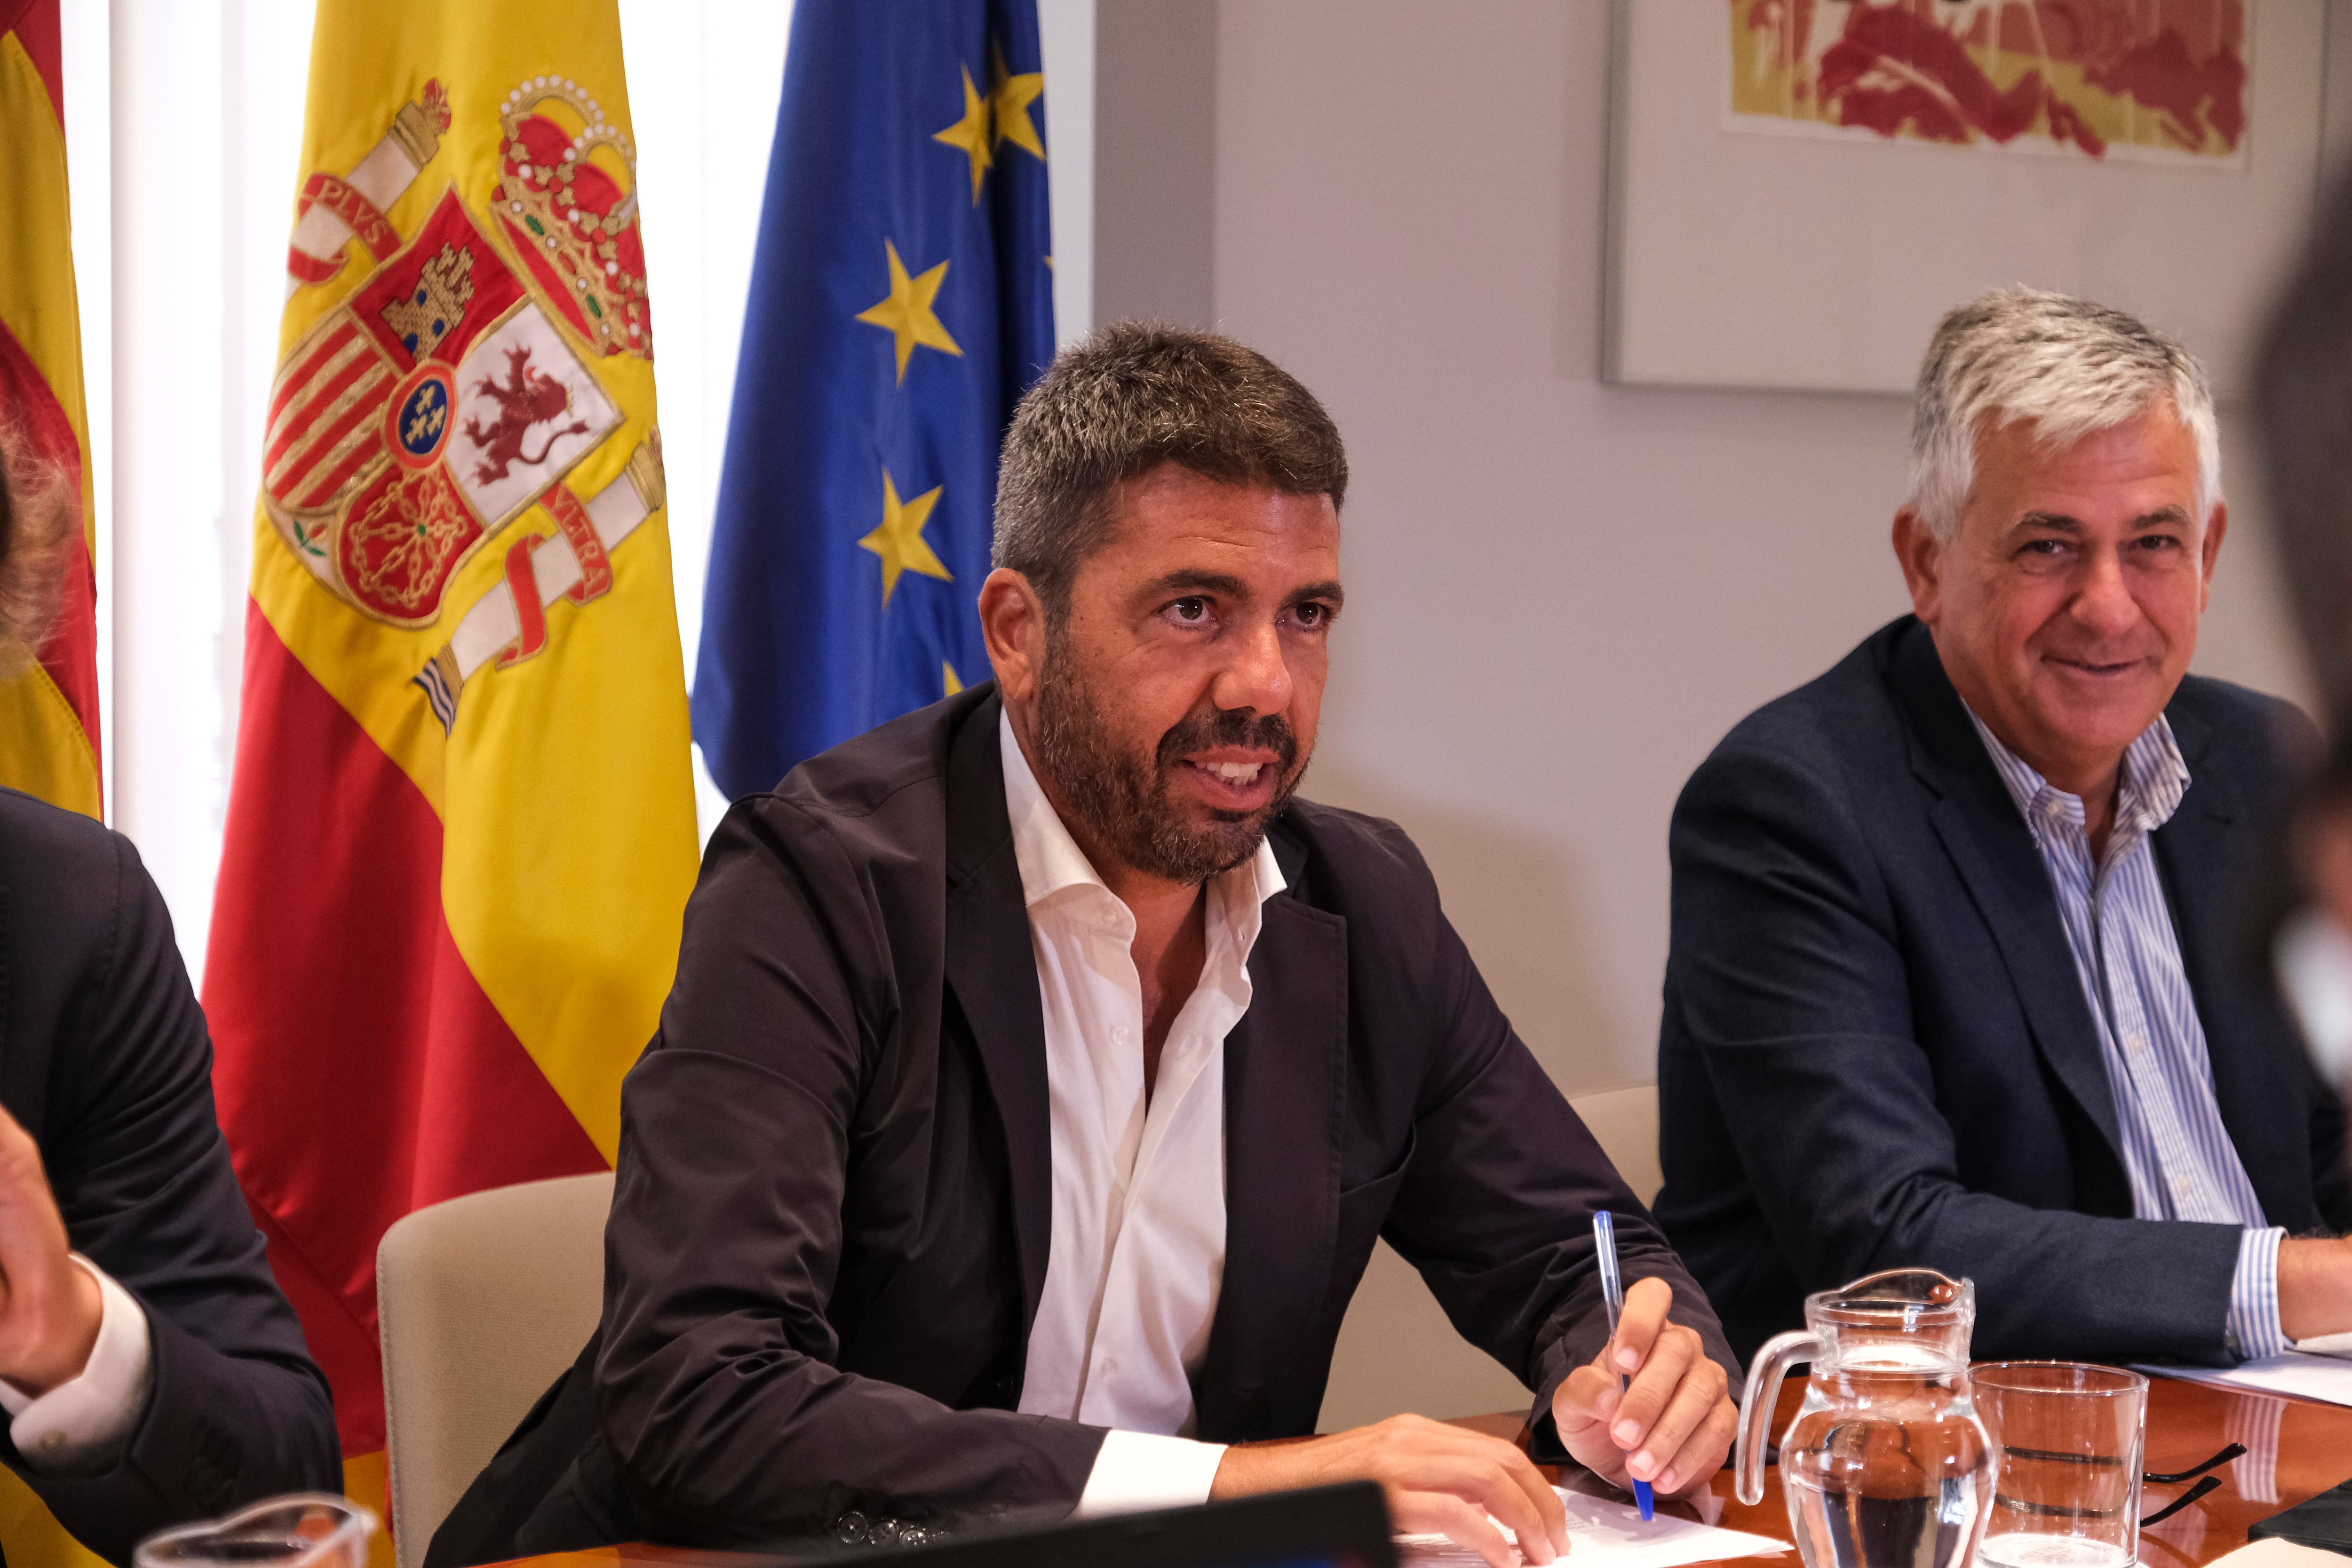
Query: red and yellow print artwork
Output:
(2098,79)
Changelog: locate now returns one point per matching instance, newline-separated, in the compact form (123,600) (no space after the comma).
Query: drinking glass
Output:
(2070,1437)
(302,1529)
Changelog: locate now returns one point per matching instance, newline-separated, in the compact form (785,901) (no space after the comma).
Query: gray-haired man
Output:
(1954,980)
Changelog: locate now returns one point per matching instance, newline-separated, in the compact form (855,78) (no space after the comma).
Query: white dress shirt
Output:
(79,1427)
(1138,1251)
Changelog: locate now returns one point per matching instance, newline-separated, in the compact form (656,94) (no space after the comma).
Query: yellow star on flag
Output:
(949,679)
(970,135)
(1010,96)
(900,540)
(906,315)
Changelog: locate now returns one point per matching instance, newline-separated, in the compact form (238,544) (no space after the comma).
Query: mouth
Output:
(1233,780)
(2097,669)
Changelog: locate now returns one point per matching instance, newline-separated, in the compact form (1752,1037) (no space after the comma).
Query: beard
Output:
(1128,804)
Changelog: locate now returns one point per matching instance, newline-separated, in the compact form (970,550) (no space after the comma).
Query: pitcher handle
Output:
(1756,1405)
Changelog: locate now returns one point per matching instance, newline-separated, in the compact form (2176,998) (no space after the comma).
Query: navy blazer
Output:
(1875,1051)
(830,1225)
(105,1060)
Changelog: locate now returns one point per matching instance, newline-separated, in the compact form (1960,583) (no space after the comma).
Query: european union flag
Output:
(901,302)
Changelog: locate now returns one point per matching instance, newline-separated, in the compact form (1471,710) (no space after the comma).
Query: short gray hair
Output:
(1129,397)
(2069,367)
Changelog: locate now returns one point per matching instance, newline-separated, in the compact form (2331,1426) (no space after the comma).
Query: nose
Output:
(1255,675)
(2103,604)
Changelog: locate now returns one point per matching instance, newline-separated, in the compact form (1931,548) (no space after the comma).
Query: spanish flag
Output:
(461,827)
(48,709)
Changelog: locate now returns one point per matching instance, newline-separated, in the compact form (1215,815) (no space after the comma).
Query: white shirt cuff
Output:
(2253,1322)
(79,1426)
(1137,1470)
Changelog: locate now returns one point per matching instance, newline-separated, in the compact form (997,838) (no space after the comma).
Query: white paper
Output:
(2326,1344)
(1606,1534)
(2324,1377)
(2273,1553)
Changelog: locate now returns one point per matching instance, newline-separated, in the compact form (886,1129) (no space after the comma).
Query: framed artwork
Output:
(1798,189)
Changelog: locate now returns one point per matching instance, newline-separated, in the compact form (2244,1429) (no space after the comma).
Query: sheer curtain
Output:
(184,130)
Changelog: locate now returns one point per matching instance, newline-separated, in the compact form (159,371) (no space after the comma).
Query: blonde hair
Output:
(40,512)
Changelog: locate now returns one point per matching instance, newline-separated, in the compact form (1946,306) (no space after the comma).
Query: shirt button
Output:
(2138,1044)
(2181,1185)
(51,1442)
(1119,1035)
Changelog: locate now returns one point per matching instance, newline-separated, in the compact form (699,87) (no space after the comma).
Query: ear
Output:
(2216,527)
(1012,624)
(1921,555)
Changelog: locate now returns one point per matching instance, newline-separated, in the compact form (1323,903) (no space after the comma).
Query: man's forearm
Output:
(2315,1286)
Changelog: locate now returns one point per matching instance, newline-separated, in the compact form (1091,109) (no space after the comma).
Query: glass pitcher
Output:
(1886,1465)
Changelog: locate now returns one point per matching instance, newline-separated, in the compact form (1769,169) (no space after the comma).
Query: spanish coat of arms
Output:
(452,390)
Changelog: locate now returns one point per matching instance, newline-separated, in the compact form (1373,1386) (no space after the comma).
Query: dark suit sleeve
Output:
(1789,981)
(716,1383)
(235,1409)
(1495,1209)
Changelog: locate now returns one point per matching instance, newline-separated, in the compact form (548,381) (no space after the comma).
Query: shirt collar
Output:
(2154,780)
(1052,862)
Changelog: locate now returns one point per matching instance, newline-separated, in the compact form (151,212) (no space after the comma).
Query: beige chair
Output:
(482,1300)
(1624,1122)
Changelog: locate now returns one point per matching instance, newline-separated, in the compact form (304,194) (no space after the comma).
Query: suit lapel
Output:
(1994,852)
(993,971)
(1285,1094)
(2194,855)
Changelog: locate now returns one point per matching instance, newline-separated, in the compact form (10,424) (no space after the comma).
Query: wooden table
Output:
(2299,1448)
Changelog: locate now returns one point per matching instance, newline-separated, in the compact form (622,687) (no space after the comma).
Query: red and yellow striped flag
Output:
(48,710)
(461,830)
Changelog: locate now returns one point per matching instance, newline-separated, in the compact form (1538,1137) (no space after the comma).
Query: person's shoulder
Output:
(1348,854)
(1843,720)
(67,857)
(864,773)
(880,798)
(2231,710)
(2241,728)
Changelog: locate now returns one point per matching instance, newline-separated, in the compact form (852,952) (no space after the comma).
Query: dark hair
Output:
(1134,396)
(40,508)
(2303,392)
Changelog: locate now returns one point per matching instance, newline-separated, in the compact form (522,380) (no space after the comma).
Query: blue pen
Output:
(1613,1291)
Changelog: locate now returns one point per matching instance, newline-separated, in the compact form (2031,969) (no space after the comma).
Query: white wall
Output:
(1559,594)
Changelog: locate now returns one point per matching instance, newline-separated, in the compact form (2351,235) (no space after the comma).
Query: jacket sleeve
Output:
(1495,1210)
(1791,982)
(716,1380)
(235,1409)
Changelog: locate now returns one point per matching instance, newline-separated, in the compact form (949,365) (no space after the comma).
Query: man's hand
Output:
(1672,1427)
(2314,1287)
(50,1306)
(1439,1480)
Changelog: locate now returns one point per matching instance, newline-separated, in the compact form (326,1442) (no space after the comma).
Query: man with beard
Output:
(1040,1072)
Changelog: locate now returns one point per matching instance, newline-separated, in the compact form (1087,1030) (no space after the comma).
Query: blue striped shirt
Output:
(2126,951)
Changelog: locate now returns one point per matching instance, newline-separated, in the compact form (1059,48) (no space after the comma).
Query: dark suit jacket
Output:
(1876,1051)
(106,1062)
(830,1225)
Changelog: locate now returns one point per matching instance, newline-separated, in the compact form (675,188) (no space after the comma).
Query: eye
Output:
(1192,611)
(1312,615)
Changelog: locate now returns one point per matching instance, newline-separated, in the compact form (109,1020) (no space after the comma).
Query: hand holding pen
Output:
(1649,1406)
(1612,1296)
